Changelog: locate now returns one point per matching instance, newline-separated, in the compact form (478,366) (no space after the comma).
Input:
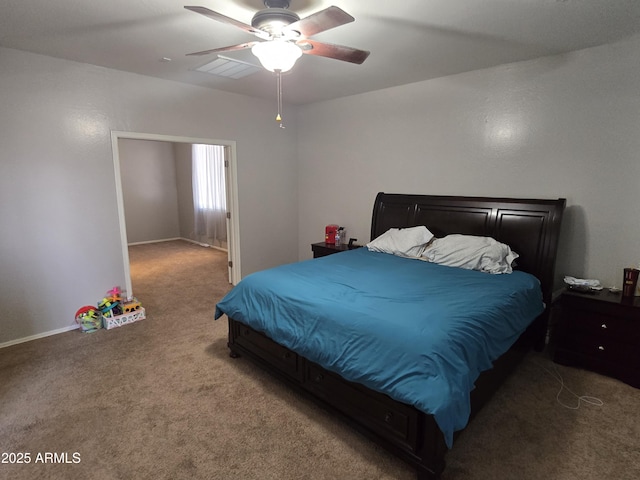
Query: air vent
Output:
(228,67)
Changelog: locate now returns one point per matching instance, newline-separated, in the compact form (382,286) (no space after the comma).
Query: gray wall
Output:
(182,152)
(157,189)
(149,190)
(60,244)
(563,126)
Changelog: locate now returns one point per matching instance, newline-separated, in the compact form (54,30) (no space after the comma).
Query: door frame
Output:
(233,230)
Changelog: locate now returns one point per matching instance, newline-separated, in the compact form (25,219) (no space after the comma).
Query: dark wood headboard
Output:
(531,227)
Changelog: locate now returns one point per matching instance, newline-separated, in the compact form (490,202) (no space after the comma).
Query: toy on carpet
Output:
(110,311)
(89,318)
(110,306)
(131,305)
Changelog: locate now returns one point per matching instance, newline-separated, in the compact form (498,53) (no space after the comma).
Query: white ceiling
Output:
(409,40)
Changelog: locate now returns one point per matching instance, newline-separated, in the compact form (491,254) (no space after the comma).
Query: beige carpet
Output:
(162,399)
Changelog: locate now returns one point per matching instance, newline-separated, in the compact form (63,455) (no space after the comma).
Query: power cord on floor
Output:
(581,398)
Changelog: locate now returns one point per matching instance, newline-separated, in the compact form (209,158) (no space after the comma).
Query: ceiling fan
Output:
(286,36)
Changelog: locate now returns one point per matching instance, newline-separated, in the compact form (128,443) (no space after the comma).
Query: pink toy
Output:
(114,292)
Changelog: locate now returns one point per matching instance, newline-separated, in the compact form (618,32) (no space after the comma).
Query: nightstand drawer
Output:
(606,348)
(626,372)
(605,325)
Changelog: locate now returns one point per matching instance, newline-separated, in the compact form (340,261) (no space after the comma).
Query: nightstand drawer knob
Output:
(604,325)
(601,348)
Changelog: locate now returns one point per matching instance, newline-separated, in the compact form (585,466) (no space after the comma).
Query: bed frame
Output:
(530,227)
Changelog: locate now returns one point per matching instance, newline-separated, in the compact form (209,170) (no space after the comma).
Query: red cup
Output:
(629,282)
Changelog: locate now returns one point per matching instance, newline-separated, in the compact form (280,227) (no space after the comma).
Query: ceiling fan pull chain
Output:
(279,95)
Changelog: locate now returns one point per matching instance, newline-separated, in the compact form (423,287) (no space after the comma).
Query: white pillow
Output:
(474,253)
(404,242)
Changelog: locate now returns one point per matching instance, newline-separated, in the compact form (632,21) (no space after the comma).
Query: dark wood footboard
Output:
(405,431)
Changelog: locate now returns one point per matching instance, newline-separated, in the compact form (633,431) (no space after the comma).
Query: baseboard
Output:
(37,336)
(155,241)
(203,244)
(178,238)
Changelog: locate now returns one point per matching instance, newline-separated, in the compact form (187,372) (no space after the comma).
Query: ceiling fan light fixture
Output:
(273,20)
(277,54)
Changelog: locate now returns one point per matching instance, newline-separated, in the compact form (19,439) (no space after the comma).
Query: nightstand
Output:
(323,249)
(600,332)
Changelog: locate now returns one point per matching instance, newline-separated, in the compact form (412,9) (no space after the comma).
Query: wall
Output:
(60,245)
(564,126)
(149,192)
(184,174)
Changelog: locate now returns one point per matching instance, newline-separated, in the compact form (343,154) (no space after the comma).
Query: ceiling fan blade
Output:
(231,21)
(338,52)
(320,21)
(230,48)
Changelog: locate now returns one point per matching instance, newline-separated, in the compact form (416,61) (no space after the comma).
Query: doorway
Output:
(233,241)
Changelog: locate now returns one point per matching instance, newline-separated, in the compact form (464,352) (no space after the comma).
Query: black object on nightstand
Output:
(600,332)
(323,249)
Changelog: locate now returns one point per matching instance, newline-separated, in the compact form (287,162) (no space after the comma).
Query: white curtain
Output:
(209,194)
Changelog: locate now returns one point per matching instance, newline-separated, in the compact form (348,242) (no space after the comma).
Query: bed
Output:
(357,343)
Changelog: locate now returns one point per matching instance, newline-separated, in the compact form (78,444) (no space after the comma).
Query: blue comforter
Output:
(417,331)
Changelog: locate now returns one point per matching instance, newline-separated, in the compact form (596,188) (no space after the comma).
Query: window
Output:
(209,194)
